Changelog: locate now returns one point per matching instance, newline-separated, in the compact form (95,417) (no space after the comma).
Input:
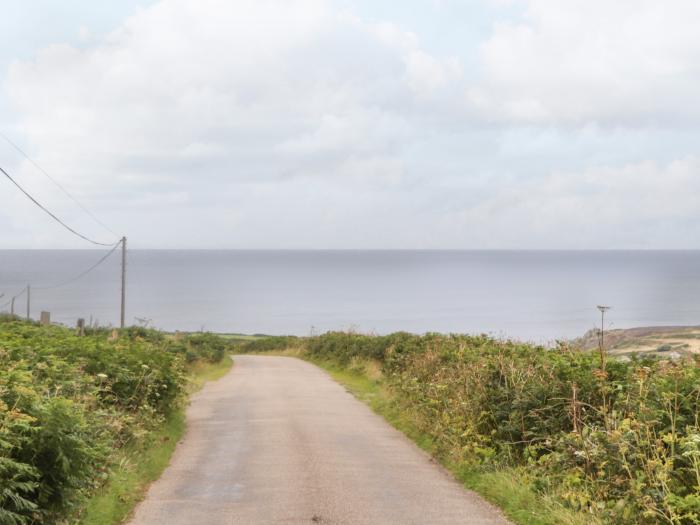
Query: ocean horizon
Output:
(532,295)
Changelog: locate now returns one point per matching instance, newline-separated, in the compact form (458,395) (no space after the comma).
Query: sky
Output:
(368,124)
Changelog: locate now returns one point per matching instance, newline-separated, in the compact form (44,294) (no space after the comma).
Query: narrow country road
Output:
(278,441)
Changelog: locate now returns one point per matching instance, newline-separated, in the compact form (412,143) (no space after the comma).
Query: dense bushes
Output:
(271,343)
(67,403)
(620,442)
(206,346)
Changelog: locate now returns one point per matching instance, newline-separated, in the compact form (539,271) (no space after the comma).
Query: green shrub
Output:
(208,347)
(270,343)
(18,480)
(68,402)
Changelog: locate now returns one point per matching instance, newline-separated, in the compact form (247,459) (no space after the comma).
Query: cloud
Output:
(207,123)
(629,63)
(188,94)
(190,98)
(251,78)
(636,205)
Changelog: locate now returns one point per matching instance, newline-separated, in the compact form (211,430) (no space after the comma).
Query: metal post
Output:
(29,294)
(123,309)
(602,309)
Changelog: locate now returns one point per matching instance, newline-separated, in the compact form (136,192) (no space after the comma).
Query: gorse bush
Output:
(67,403)
(620,442)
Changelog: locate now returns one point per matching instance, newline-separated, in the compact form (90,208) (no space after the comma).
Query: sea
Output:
(536,296)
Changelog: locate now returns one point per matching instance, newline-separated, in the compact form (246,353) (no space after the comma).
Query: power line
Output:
(82,274)
(64,283)
(52,215)
(18,295)
(65,191)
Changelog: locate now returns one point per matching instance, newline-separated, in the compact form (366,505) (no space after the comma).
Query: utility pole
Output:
(29,296)
(12,307)
(123,310)
(602,309)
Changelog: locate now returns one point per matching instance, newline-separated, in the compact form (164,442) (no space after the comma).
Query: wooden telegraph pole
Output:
(123,309)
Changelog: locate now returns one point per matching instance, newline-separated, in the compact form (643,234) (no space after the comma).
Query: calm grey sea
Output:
(532,295)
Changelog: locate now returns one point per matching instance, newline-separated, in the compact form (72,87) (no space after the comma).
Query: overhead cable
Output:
(81,275)
(13,181)
(58,185)
(64,283)
(16,296)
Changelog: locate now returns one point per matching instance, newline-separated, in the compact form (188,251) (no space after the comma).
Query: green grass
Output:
(509,489)
(203,372)
(137,467)
(241,337)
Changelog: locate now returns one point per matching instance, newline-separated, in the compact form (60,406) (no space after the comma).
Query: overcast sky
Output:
(354,123)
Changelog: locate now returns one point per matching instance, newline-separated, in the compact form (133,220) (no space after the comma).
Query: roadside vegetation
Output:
(87,421)
(552,436)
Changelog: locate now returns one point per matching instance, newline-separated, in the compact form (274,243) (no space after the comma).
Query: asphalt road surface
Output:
(277,441)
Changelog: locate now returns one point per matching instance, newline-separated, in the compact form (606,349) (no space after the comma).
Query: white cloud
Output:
(207,123)
(637,205)
(628,62)
(193,97)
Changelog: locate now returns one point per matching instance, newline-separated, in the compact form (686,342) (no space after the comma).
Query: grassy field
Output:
(550,435)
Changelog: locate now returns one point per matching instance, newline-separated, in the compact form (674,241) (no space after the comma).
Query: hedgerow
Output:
(67,403)
(271,343)
(619,441)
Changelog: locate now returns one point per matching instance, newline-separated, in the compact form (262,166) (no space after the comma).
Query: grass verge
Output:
(509,489)
(139,466)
